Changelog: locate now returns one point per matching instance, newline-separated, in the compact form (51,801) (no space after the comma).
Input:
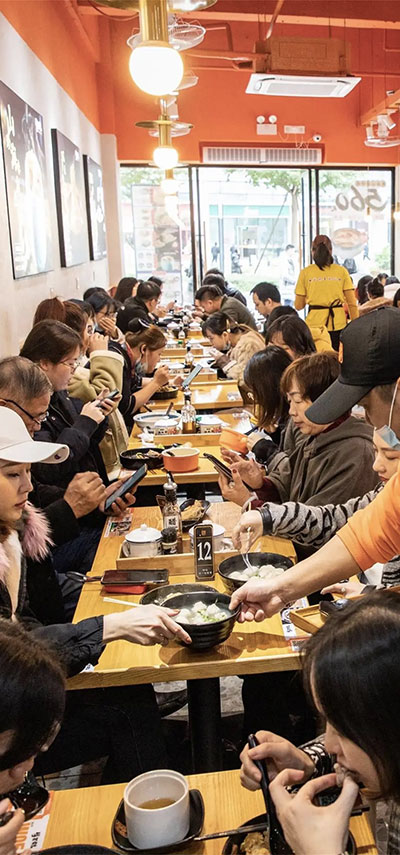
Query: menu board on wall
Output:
(95,208)
(26,185)
(70,200)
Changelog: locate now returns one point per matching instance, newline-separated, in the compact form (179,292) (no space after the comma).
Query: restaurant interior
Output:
(177,179)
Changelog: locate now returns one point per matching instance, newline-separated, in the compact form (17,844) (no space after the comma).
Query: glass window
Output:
(355,208)
(156,230)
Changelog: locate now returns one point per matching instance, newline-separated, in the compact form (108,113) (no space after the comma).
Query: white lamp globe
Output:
(165,157)
(169,186)
(156,67)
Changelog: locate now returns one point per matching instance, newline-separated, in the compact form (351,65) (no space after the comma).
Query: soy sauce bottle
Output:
(277,842)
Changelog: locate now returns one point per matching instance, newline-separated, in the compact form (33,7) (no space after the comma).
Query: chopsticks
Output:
(121,602)
(243,829)
(275,831)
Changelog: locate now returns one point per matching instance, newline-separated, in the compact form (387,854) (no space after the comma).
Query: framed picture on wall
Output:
(95,208)
(26,185)
(70,201)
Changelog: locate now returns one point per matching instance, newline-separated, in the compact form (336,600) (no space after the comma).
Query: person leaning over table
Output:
(352,673)
(211,299)
(233,344)
(141,306)
(122,722)
(369,376)
(325,286)
(32,701)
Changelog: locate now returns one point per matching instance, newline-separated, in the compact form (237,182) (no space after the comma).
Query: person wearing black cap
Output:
(370,372)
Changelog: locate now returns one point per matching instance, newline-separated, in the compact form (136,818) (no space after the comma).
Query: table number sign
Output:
(203,552)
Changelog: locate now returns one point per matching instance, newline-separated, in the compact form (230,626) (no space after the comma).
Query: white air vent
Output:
(262,156)
(300,86)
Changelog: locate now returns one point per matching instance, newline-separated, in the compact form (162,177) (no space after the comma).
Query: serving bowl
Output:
(134,458)
(233,440)
(257,559)
(189,523)
(181,459)
(206,635)
(162,596)
(234,842)
(148,420)
(165,392)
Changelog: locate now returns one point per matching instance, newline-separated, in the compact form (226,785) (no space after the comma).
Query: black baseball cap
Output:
(369,354)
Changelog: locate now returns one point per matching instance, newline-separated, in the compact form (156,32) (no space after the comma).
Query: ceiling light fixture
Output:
(155,66)
(169,184)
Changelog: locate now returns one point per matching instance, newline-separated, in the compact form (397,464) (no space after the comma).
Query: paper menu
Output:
(32,833)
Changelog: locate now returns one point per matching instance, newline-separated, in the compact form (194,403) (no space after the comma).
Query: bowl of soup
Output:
(263,566)
(205,616)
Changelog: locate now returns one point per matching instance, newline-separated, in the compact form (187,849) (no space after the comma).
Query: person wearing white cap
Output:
(122,722)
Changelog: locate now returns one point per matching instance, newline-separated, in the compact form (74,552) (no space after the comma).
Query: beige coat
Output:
(104,372)
(249,344)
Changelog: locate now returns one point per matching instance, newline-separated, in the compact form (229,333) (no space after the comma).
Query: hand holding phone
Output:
(126,487)
(109,397)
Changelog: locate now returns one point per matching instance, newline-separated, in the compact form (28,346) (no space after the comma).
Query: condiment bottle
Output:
(169,540)
(188,357)
(188,414)
(171,512)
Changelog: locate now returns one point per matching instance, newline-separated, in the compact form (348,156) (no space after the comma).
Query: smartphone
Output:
(134,577)
(126,487)
(219,466)
(329,607)
(110,397)
(189,379)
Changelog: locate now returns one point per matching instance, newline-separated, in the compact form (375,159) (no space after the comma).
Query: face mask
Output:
(386,433)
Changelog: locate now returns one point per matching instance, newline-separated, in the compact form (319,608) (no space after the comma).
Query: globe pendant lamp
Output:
(155,66)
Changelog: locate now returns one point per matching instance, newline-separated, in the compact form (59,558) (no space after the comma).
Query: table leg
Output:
(204,702)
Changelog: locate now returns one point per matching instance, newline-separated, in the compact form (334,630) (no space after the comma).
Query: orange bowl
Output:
(234,440)
(181,460)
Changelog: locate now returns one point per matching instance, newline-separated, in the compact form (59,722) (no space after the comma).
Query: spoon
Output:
(245,555)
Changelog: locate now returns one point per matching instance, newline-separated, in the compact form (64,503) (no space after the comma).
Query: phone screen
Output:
(132,577)
(126,486)
(191,376)
(219,466)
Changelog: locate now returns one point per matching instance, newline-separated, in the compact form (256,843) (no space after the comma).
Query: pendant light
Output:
(155,66)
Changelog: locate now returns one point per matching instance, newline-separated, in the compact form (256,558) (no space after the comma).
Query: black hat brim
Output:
(337,400)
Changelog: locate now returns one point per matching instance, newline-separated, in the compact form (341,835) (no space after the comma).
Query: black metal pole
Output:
(204,702)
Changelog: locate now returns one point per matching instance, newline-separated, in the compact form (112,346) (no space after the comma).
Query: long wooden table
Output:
(205,396)
(250,649)
(85,815)
(204,474)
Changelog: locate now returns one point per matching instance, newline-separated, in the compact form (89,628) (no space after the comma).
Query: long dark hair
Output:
(125,287)
(32,694)
(295,334)
(322,251)
(362,284)
(50,340)
(262,375)
(352,665)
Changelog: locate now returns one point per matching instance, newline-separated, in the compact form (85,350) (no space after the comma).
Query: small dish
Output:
(235,841)
(165,392)
(120,838)
(187,524)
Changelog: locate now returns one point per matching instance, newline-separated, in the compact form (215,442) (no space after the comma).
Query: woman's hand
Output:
(107,323)
(161,376)
(92,411)
(8,832)
(279,754)
(145,625)
(249,470)
(234,490)
(258,600)
(346,589)
(310,829)
(250,527)
(97,341)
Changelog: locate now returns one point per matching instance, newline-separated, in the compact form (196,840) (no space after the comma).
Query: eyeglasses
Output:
(71,365)
(37,419)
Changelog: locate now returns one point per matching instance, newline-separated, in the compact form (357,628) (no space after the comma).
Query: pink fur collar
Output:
(34,531)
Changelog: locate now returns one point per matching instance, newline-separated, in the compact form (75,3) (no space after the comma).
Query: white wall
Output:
(22,71)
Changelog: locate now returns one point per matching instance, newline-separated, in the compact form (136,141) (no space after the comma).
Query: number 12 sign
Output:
(203,552)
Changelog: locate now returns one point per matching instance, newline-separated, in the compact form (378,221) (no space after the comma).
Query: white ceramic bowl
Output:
(160,827)
(142,542)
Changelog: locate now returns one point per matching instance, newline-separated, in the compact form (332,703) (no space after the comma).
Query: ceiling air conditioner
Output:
(301,86)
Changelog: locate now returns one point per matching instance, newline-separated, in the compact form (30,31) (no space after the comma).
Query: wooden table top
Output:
(205,396)
(85,815)
(251,648)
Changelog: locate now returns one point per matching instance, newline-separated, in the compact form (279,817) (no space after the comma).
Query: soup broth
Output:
(155,804)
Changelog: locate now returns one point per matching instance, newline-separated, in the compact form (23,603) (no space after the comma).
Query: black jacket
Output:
(131,382)
(134,307)
(64,424)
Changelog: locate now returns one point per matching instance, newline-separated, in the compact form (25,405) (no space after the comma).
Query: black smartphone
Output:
(189,379)
(219,466)
(126,487)
(110,397)
(134,577)
(329,607)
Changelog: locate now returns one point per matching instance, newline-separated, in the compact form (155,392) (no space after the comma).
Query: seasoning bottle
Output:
(188,414)
(188,357)
(181,335)
(171,512)
(169,540)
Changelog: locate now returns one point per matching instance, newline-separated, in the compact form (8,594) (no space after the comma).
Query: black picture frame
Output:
(26,184)
(95,208)
(70,200)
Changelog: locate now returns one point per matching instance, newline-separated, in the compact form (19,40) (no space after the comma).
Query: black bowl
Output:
(164,394)
(205,635)
(157,597)
(135,457)
(79,849)
(187,524)
(231,565)
(235,841)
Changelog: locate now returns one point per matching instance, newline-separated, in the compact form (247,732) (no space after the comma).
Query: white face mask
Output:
(386,432)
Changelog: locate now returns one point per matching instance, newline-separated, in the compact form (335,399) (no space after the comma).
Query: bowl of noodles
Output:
(264,565)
